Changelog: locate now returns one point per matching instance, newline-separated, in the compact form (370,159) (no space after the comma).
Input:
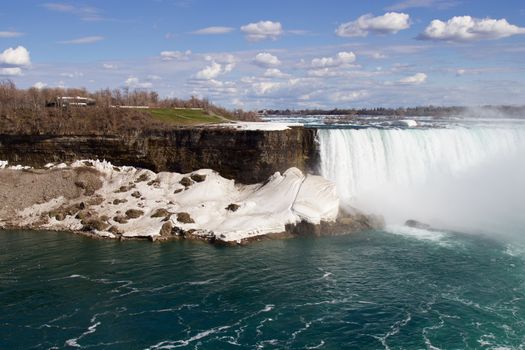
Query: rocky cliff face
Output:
(249,156)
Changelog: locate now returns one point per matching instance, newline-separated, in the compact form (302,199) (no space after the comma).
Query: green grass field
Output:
(184,116)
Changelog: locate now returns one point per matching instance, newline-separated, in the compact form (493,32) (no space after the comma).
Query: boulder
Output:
(417,224)
(134,213)
(119,201)
(160,213)
(233,207)
(186,181)
(94,223)
(185,218)
(121,219)
(166,229)
(198,177)
(143,177)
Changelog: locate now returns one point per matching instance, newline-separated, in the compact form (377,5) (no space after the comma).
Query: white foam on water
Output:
(417,233)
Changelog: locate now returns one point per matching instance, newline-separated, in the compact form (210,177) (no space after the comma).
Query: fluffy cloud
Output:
(10,71)
(210,72)
(342,58)
(16,57)
(83,40)
(39,85)
(265,87)
(213,30)
(467,28)
(416,79)
(10,34)
(134,82)
(262,30)
(391,22)
(265,59)
(275,73)
(109,66)
(174,55)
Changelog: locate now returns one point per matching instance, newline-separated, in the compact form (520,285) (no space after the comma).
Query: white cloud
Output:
(265,87)
(378,55)
(10,34)
(342,58)
(11,71)
(275,73)
(439,4)
(39,85)
(262,30)
(265,59)
(210,72)
(416,79)
(17,57)
(134,82)
(86,13)
(460,72)
(467,28)
(348,96)
(389,23)
(175,55)
(216,30)
(72,75)
(109,66)
(83,40)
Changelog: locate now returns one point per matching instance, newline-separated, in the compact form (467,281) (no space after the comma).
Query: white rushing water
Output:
(458,178)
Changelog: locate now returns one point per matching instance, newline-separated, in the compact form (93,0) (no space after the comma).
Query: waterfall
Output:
(420,173)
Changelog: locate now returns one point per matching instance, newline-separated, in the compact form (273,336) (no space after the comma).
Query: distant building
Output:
(67,101)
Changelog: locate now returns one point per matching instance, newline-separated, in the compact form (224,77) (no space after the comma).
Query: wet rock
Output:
(185,218)
(121,219)
(97,200)
(143,177)
(134,213)
(198,177)
(166,229)
(136,194)
(178,190)
(119,201)
(159,213)
(83,214)
(92,224)
(123,189)
(233,207)
(115,230)
(417,224)
(154,183)
(186,181)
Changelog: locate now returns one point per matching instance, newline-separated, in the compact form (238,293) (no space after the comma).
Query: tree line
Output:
(35,110)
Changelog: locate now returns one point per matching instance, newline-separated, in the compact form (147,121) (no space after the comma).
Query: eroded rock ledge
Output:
(104,201)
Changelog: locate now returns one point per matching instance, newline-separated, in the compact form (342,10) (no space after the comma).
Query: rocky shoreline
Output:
(99,200)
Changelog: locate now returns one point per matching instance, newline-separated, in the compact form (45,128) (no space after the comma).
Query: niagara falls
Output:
(198,174)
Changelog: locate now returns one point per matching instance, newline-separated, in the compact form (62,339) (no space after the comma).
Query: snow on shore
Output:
(140,203)
(267,126)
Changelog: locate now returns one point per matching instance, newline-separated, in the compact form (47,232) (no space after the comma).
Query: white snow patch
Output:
(268,126)
(287,198)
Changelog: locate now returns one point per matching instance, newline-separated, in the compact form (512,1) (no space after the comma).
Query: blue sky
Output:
(273,54)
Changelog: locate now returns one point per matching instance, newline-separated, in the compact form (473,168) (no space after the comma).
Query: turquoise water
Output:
(373,290)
